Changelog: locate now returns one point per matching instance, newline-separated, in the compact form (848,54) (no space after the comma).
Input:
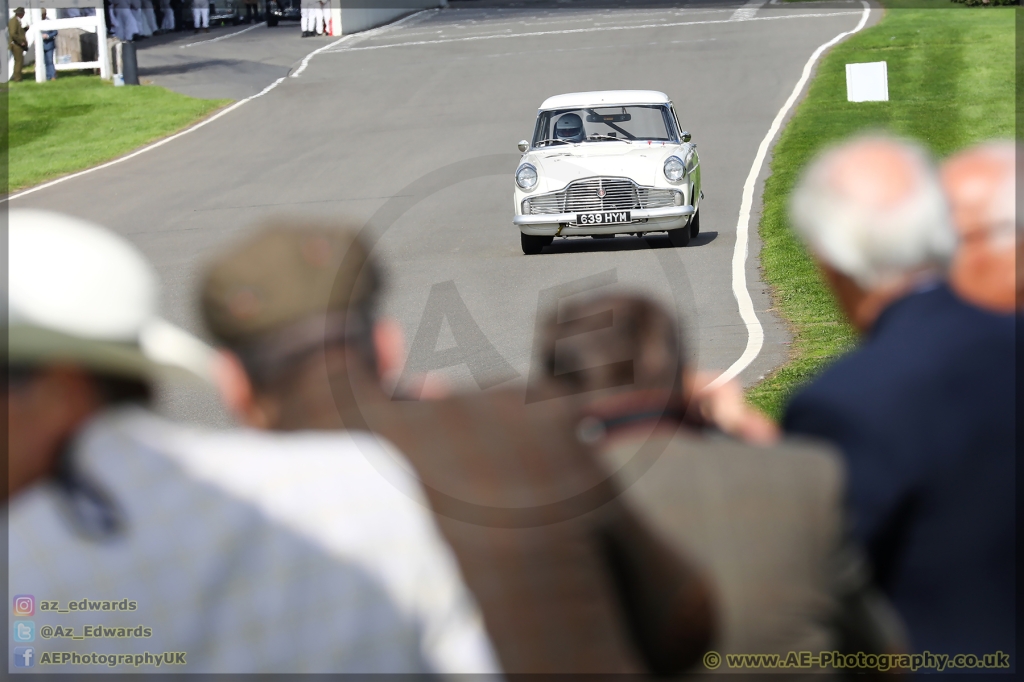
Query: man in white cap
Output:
(229,552)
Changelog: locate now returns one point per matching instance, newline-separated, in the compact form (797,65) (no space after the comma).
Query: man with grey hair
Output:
(980,183)
(923,409)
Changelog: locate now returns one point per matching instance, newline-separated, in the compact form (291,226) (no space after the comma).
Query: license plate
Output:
(603,218)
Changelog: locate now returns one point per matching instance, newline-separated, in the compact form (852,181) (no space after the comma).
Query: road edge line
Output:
(755,332)
(192,128)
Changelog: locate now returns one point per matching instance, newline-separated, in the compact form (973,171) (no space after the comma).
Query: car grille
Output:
(585,195)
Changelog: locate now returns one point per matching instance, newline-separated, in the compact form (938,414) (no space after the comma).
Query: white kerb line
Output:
(755,332)
(160,143)
(747,11)
(224,37)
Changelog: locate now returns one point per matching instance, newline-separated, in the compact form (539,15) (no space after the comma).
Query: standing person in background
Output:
(140,18)
(201,15)
(252,11)
(49,45)
(167,18)
(923,409)
(988,267)
(125,26)
(320,17)
(17,42)
(149,15)
(306,21)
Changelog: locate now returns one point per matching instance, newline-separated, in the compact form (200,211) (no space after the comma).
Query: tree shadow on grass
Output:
(41,119)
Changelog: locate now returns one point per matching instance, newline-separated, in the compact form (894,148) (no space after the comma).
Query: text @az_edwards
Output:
(86,604)
(112,660)
(823,660)
(95,632)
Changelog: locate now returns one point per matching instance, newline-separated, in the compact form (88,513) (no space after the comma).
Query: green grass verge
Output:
(951,84)
(78,121)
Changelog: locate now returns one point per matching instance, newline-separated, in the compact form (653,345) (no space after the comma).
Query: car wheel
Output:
(602,236)
(695,225)
(680,237)
(533,244)
(271,22)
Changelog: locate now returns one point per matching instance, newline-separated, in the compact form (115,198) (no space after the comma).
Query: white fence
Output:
(94,24)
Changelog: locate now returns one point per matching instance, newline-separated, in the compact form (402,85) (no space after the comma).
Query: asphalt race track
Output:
(410,133)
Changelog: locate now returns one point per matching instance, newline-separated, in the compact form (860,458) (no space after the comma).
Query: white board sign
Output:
(867,82)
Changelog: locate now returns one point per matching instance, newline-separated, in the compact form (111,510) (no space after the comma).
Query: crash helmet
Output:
(569,127)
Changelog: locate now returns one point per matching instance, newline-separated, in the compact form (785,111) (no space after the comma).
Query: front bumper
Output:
(644,220)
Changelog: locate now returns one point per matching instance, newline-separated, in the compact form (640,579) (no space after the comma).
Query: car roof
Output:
(604,98)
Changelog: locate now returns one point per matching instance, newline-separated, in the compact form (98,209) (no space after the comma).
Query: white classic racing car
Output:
(607,163)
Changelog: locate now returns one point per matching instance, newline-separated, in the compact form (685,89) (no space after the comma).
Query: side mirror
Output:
(686,136)
(523,146)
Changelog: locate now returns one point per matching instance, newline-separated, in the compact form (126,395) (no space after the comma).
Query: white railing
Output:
(95,24)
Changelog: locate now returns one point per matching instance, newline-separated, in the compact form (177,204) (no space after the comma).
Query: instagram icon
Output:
(24,605)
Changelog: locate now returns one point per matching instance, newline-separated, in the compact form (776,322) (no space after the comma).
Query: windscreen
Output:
(605,124)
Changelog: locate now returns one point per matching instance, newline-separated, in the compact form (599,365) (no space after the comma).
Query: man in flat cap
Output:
(566,578)
(226,552)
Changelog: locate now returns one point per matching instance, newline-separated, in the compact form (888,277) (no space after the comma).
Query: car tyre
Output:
(680,237)
(695,225)
(534,244)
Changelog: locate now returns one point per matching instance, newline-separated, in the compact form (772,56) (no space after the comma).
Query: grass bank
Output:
(78,121)
(951,84)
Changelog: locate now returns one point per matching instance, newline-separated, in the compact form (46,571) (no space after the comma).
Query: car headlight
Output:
(674,168)
(526,177)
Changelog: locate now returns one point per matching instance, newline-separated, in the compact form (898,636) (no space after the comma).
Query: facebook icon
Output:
(24,657)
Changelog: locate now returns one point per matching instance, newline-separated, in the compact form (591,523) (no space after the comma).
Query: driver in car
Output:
(570,128)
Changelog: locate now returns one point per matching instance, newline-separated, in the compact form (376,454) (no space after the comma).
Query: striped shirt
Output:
(245,551)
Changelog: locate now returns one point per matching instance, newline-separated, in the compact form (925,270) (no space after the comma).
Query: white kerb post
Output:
(35,15)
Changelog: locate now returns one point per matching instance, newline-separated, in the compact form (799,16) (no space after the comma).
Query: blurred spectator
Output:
(140,18)
(122,20)
(567,580)
(49,43)
(17,42)
(321,15)
(166,16)
(201,15)
(766,523)
(988,267)
(923,409)
(247,552)
(252,11)
(307,15)
(149,16)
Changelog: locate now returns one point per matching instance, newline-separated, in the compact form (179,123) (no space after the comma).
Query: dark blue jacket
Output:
(923,411)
